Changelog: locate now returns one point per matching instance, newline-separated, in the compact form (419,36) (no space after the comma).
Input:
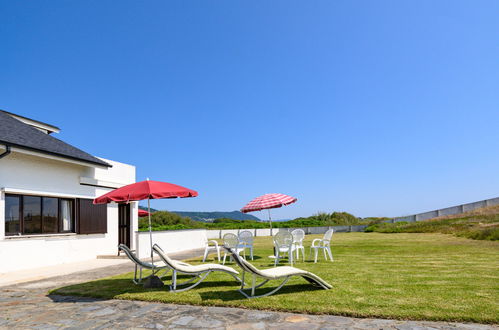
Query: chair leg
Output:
(253,285)
(174,280)
(251,253)
(218,253)
(135,275)
(205,254)
(266,294)
(199,277)
(316,251)
(225,255)
(329,252)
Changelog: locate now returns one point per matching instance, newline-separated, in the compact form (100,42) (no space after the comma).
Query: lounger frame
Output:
(247,267)
(197,275)
(139,265)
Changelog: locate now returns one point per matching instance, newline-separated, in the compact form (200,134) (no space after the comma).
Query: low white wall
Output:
(33,252)
(170,241)
(183,240)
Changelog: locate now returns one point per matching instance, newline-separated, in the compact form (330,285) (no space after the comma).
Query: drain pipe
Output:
(7,151)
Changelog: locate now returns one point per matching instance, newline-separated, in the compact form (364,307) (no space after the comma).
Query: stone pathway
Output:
(28,306)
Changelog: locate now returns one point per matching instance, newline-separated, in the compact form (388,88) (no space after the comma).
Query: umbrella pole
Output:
(150,227)
(270,221)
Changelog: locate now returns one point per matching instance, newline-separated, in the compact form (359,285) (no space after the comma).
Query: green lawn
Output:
(403,276)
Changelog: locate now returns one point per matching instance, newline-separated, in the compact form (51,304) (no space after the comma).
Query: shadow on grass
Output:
(225,290)
(236,295)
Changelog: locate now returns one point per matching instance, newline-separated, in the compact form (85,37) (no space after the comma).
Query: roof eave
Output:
(99,164)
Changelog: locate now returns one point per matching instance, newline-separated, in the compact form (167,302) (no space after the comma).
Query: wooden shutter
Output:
(92,219)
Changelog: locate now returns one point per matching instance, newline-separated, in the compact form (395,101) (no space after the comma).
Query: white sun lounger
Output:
(198,271)
(139,264)
(277,273)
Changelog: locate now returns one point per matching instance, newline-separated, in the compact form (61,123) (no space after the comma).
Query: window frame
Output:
(21,232)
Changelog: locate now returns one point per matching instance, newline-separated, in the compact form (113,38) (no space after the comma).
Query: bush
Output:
(387,227)
(165,219)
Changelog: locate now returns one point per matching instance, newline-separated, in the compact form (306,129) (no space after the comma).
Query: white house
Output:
(46,192)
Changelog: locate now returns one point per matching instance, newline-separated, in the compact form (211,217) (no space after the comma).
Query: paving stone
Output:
(90,308)
(247,326)
(184,320)
(154,326)
(261,316)
(104,312)
(206,322)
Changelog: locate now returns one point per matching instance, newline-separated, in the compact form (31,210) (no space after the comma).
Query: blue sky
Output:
(371,107)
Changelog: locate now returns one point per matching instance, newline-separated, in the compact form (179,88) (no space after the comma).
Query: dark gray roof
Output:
(18,134)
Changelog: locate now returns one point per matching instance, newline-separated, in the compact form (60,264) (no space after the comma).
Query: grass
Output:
(480,224)
(401,276)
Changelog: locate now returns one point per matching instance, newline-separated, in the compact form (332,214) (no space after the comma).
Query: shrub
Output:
(164,219)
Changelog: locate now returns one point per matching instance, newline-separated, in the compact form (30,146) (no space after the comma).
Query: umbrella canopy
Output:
(145,190)
(268,201)
(143,213)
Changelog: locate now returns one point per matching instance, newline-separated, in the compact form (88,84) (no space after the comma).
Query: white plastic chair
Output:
(211,245)
(298,236)
(324,244)
(283,242)
(231,242)
(246,242)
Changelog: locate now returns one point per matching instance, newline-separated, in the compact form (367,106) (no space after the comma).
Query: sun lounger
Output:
(277,273)
(139,264)
(197,271)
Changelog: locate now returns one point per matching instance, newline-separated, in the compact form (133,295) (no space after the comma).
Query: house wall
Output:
(28,174)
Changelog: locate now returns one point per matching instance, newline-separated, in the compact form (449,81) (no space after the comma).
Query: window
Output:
(49,215)
(32,214)
(66,215)
(12,215)
(38,215)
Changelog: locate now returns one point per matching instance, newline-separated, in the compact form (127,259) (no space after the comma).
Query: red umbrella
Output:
(268,201)
(143,213)
(145,190)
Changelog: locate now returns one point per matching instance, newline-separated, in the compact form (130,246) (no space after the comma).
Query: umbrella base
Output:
(153,282)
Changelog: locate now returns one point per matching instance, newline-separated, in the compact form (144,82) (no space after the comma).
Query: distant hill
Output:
(210,216)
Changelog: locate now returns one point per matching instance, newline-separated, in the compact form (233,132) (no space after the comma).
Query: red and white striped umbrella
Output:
(268,201)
